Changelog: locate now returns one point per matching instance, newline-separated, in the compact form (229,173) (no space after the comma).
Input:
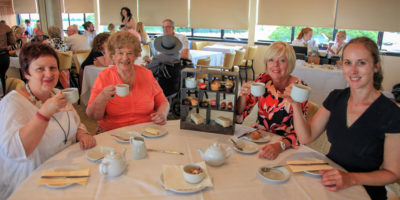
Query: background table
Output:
(222,48)
(236,179)
(321,80)
(216,58)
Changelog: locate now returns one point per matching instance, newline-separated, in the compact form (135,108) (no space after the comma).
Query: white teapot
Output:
(215,155)
(113,164)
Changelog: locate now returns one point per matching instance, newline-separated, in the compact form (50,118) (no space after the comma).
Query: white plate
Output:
(181,191)
(275,175)
(98,153)
(127,135)
(61,186)
(248,147)
(313,173)
(264,138)
(162,130)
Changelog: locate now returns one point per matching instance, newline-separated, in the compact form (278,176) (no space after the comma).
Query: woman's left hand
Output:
(336,179)
(158,117)
(86,141)
(270,151)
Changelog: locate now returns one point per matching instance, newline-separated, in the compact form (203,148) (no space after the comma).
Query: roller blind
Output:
(153,12)
(79,6)
(313,13)
(219,14)
(24,6)
(382,15)
(110,11)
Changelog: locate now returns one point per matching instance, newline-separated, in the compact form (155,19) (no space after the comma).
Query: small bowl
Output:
(190,83)
(193,173)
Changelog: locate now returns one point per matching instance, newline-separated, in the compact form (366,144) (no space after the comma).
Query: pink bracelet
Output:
(40,116)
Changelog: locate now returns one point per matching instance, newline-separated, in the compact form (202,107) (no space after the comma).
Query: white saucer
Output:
(162,130)
(181,191)
(65,168)
(247,146)
(275,175)
(127,135)
(98,153)
(264,137)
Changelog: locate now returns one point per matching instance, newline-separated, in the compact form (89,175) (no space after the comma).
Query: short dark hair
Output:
(86,25)
(27,21)
(33,51)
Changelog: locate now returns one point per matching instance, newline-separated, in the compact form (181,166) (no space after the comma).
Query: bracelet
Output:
(42,117)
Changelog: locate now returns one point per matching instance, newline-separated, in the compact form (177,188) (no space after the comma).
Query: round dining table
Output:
(236,179)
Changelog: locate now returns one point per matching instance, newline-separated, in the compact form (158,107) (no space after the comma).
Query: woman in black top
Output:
(362,125)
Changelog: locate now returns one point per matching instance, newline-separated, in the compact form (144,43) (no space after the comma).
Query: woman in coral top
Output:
(144,103)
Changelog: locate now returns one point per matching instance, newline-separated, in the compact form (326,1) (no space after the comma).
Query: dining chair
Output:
(78,59)
(237,61)
(83,51)
(14,84)
(248,62)
(311,110)
(146,50)
(65,59)
(228,61)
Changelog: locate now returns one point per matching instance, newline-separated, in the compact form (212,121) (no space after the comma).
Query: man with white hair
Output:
(169,29)
(76,41)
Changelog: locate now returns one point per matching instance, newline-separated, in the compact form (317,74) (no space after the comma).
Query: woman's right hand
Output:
(108,92)
(54,104)
(245,90)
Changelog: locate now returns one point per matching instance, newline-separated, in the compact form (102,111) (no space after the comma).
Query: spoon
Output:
(236,145)
(267,169)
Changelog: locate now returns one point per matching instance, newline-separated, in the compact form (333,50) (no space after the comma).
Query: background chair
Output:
(248,62)
(65,59)
(311,110)
(82,51)
(146,51)
(228,61)
(199,45)
(237,61)
(78,59)
(14,84)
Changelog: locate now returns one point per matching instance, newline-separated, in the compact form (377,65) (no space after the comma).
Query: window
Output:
(373,35)
(273,33)
(236,34)
(320,35)
(184,30)
(78,19)
(391,41)
(33,17)
(157,30)
(202,32)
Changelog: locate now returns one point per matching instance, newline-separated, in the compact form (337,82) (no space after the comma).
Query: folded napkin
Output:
(57,178)
(173,178)
(309,165)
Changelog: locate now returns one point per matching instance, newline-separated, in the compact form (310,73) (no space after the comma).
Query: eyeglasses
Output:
(168,27)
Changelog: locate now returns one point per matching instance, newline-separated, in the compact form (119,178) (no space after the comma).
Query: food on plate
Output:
(215,85)
(223,121)
(202,86)
(195,170)
(255,135)
(186,102)
(194,101)
(223,105)
(213,103)
(197,118)
(204,103)
(230,105)
(152,131)
(229,86)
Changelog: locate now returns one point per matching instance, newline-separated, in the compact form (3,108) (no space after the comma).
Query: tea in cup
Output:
(300,93)
(71,94)
(122,90)
(257,89)
(193,173)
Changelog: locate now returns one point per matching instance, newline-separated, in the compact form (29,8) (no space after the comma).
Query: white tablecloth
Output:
(14,68)
(215,57)
(222,48)
(14,62)
(321,79)
(236,179)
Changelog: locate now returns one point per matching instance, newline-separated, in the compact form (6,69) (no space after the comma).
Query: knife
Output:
(244,134)
(64,176)
(310,164)
(166,151)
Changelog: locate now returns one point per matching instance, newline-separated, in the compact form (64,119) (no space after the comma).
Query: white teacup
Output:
(122,89)
(300,93)
(192,174)
(71,94)
(257,89)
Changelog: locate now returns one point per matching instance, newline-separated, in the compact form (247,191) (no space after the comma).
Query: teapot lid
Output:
(215,146)
(112,155)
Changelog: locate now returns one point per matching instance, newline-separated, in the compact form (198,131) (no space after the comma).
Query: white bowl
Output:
(191,177)
(190,83)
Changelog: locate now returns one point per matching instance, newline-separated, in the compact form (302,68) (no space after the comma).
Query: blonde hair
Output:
(281,49)
(303,32)
(141,31)
(342,34)
(123,39)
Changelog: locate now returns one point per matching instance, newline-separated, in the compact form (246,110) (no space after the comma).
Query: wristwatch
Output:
(283,145)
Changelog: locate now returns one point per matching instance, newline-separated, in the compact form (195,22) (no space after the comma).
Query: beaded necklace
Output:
(39,103)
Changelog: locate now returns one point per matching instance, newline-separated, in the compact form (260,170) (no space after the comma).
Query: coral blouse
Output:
(142,100)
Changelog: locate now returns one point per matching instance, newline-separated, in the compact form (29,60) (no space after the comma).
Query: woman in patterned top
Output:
(55,39)
(274,112)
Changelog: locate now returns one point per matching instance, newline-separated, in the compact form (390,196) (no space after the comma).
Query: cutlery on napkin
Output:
(64,177)
(166,151)
(308,165)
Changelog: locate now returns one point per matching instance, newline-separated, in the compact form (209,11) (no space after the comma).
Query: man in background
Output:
(76,41)
(6,38)
(169,29)
(90,33)
(28,28)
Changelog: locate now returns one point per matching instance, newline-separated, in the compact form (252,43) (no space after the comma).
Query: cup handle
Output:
(103,168)
(230,152)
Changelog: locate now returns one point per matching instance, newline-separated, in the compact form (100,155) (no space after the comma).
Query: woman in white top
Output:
(304,40)
(36,121)
(337,48)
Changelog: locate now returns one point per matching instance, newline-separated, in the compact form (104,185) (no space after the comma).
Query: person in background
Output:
(169,47)
(127,19)
(36,122)
(362,125)
(37,27)
(55,39)
(39,36)
(74,40)
(111,28)
(143,35)
(304,39)
(3,21)
(145,101)
(169,29)
(19,42)
(6,39)
(122,27)
(90,32)
(28,28)
(274,113)
(337,48)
